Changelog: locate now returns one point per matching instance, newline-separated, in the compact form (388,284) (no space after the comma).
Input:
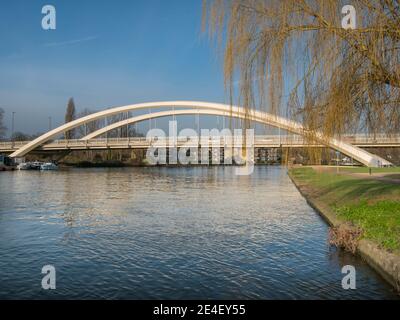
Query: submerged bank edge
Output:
(387,264)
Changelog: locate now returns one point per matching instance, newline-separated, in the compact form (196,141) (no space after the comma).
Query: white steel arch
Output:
(154,115)
(358,154)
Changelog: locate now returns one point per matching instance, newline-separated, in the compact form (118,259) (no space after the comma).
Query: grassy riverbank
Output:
(371,202)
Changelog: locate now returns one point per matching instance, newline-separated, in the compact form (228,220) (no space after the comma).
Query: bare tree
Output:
(294,58)
(3,128)
(133,132)
(95,125)
(20,136)
(121,132)
(91,126)
(70,116)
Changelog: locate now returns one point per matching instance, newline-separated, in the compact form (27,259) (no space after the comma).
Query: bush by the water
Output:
(345,236)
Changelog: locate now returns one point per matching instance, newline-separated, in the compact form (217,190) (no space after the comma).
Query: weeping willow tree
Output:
(294,58)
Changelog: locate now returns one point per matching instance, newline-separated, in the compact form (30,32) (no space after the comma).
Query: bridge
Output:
(260,141)
(45,142)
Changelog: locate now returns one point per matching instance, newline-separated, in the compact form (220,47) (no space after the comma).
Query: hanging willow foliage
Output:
(293,58)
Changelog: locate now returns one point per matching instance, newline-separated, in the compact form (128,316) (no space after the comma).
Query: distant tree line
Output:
(16,136)
(70,115)
(122,132)
(21,136)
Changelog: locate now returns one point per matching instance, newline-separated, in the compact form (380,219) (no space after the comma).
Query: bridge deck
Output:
(271,141)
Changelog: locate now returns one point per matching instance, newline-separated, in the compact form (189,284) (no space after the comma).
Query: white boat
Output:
(48,166)
(35,165)
(24,166)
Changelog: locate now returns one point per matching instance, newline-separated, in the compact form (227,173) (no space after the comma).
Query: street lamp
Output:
(49,123)
(12,128)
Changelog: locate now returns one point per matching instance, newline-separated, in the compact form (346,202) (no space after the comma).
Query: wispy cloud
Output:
(70,42)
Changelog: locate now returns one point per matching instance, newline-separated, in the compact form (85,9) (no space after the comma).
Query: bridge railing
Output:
(9,144)
(357,139)
(371,139)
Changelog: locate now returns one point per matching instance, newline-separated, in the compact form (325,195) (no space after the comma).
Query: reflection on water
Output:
(169,233)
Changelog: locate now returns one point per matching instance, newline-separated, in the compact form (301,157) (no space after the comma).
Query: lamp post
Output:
(50,124)
(198,122)
(12,129)
(149,120)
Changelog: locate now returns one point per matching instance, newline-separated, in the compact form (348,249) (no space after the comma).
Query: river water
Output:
(169,233)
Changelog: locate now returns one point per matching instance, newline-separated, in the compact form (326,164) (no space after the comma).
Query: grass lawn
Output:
(374,205)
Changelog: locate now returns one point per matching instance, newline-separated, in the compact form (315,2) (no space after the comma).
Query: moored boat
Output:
(6,163)
(36,165)
(24,166)
(48,166)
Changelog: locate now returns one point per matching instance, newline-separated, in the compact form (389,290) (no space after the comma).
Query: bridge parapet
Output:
(141,142)
(361,139)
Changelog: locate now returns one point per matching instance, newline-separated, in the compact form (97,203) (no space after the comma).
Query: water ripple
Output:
(169,233)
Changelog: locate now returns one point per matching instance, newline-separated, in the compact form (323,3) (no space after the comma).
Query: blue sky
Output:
(103,53)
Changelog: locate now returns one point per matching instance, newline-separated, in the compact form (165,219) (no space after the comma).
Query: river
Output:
(169,233)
